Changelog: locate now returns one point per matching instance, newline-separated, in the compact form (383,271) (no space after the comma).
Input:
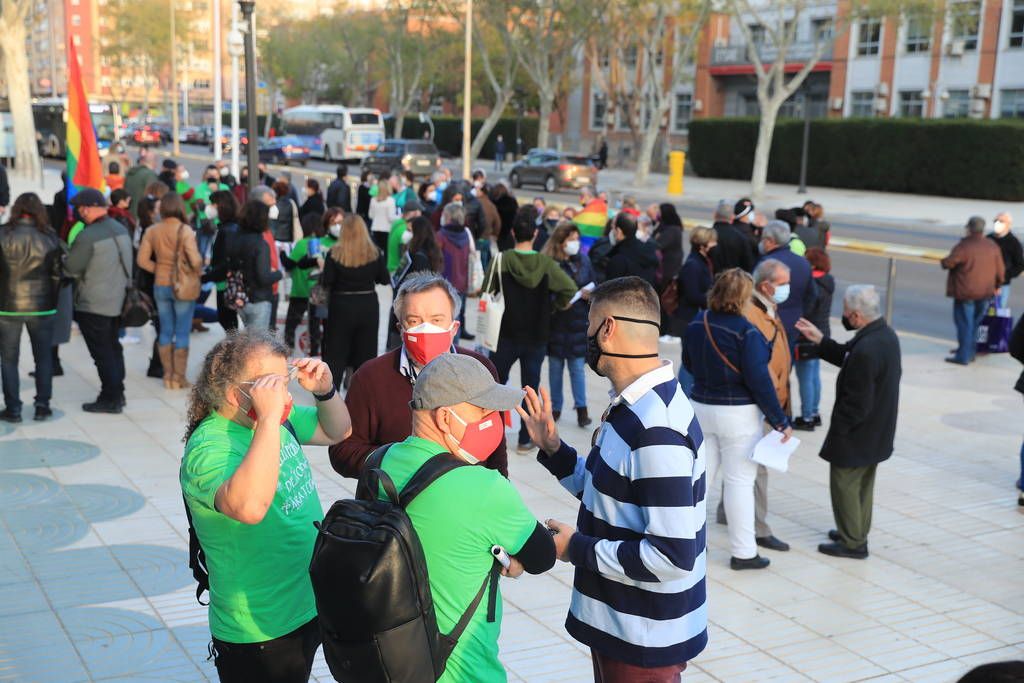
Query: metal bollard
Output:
(890,290)
(676,163)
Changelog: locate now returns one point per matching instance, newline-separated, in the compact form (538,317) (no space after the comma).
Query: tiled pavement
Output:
(94,584)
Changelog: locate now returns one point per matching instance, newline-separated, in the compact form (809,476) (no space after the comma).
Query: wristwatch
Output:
(321,398)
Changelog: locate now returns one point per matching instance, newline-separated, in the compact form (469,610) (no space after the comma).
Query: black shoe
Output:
(772,543)
(582,418)
(121,401)
(755,562)
(523,448)
(954,361)
(9,415)
(816,420)
(100,406)
(556,414)
(833,535)
(1020,499)
(840,550)
(467,336)
(42,413)
(803,425)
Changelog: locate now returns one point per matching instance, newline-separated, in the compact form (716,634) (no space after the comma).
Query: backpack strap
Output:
(287,424)
(196,558)
(373,476)
(427,474)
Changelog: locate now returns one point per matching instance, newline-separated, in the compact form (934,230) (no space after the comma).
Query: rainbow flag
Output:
(591,221)
(84,168)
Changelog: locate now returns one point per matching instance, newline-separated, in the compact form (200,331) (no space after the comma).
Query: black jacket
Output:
(339,194)
(568,338)
(669,239)
(313,204)
(734,250)
(695,280)
(1013,255)
(863,423)
(633,257)
(30,268)
(249,253)
(363,203)
(819,312)
(281,227)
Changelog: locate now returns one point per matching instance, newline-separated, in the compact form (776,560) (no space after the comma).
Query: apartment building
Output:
(964,61)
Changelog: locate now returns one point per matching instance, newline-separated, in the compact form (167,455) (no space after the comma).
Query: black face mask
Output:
(594,351)
(847,324)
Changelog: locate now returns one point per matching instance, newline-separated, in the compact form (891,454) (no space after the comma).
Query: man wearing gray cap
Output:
(458,411)
(100,261)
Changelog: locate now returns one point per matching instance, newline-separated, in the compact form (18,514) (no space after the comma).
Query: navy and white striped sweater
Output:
(639,592)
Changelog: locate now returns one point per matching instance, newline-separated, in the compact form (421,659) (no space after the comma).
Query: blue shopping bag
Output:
(994,331)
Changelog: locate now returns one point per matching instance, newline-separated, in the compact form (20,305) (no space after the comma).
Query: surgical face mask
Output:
(224,172)
(594,350)
(273,213)
(335,230)
(211,212)
(184,175)
(781,293)
(480,438)
(478,184)
(457,202)
(1000,228)
(643,236)
(406,237)
(612,238)
(760,248)
(572,247)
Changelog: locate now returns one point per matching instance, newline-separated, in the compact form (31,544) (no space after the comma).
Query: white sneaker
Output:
(668,339)
(131,339)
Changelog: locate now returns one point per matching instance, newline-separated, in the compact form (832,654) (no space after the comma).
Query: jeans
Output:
(100,335)
(288,659)
(967,315)
(499,161)
(531,357)
(730,434)
(577,379)
(1003,298)
(175,317)
(256,314)
(808,375)
(40,333)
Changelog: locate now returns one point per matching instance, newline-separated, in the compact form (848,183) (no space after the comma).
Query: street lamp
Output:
(175,135)
(247,7)
(807,140)
(236,47)
(218,91)
(467,122)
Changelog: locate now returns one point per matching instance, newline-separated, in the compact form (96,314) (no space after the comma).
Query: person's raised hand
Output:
(563,534)
(539,421)
(269,395)
(313,375)
(809,330)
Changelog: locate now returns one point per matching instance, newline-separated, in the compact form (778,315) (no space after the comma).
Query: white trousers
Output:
(730,434)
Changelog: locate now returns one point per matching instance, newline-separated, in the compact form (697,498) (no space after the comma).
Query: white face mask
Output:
(643,236)
(273,213)
(1000,228)
(406,237)
(611,238)
(184,174)
(335,230)
(211,212)
(572,247)
(224,172)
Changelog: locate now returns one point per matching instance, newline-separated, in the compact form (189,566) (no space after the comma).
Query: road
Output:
(920,305)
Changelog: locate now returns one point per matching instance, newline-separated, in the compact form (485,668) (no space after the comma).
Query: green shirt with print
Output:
(458,518)
(395,244)
(259,573)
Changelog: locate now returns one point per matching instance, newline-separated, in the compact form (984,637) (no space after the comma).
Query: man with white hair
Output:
(1013,254)
(863,426)
(802,294)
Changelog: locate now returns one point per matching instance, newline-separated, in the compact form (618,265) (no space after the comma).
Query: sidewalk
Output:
(94,583)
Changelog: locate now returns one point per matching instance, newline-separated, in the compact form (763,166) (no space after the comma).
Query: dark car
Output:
(553,170)
(419,156)
(283,150)
(225,141)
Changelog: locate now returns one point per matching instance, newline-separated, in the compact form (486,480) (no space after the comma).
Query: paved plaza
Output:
(94,582)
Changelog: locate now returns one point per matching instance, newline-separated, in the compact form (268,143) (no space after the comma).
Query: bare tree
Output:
(498,61)
(405,56)
(13,14)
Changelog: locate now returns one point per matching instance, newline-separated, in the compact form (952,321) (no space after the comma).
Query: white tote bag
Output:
(491,310)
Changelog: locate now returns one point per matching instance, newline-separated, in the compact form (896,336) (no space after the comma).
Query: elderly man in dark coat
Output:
(863,424)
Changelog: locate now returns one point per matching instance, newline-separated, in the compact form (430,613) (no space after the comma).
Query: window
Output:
(1011,104)
(76,20)
(682,111)
(757,34)
(862,104)
(598,107)
(1017,24)
(964,21)
(911,104)
(629,56)
(957,104)
(869,36)
(821,29)
(918,33)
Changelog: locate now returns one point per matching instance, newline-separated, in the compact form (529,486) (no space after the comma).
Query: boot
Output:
(156,368)
(555,414)
(180,366)
(167,361)
(582,419)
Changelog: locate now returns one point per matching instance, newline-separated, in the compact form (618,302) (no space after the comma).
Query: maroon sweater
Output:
(378,401)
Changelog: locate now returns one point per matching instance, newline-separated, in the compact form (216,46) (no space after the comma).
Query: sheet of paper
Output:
(589,287)
(772,453)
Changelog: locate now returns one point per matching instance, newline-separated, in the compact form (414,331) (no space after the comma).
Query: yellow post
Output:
(676,162)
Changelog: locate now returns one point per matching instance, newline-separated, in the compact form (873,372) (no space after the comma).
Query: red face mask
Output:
(251,412)
(427,341)
(481,437)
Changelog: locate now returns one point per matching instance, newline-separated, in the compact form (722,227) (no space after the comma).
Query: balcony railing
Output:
(737,54)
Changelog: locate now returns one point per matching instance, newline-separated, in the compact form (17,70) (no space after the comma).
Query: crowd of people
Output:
(749,305)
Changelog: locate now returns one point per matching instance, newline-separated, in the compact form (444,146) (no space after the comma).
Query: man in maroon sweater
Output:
(427,309)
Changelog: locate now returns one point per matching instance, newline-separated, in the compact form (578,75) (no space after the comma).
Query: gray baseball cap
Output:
(454,378)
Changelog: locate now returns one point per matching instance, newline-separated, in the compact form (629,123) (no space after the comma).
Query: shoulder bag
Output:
(138,308)
(184,280)
(491,310)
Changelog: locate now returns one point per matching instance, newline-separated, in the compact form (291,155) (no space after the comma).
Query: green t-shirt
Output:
(797,246)
(395,244)
(458,518)
(300,276)
(404,195)
(78,227)
(259,573)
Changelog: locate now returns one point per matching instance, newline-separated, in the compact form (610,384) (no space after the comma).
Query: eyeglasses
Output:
(293,371)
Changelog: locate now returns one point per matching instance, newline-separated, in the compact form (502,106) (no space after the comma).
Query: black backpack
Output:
(372,591)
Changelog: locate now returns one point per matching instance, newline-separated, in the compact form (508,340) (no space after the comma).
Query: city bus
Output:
(335,133)
(50,115)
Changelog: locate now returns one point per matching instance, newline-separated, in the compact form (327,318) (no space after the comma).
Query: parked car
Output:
(146,134)
(283,150)
(225,141)
(419,156)
(553,170)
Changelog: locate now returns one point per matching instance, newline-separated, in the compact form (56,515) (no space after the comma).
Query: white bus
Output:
(335,133)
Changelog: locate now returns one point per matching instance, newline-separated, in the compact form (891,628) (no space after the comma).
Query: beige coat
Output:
(764,317)
(156,251)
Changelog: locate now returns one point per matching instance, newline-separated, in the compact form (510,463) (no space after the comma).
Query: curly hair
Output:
(223,367)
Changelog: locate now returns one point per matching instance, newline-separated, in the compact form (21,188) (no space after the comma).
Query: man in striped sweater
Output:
(639,599)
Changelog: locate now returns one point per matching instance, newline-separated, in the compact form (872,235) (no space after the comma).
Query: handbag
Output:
(476,272)
(995,331)
(184,282)
(138,308)
(670,298)
(491,310)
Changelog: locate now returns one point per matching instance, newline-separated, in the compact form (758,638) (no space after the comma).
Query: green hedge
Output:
(962,158)
(448,133)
